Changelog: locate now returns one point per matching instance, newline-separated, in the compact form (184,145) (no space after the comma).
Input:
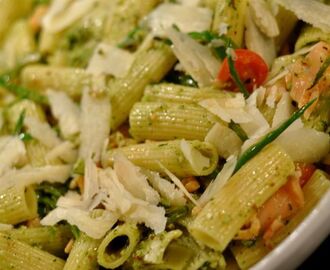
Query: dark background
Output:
(320,259)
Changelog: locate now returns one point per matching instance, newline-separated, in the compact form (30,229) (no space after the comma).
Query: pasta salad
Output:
(149,134)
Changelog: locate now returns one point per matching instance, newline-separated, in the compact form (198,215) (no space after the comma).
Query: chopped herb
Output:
(178,77)
(19,124)
(174,214)
(238,130)
(48,194)
(22,92)
(321,71)
(79,167)
(19,128)
(236,77)
(41,2)
(249,243)
(75,231)
(133,39)
(270,137)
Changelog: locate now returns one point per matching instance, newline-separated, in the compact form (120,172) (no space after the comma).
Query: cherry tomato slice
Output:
(250,67)
(306,171)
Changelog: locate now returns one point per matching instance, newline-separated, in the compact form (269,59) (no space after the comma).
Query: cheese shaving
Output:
(66,112)
(187,18)
(224,139)
(215,186)
(93,227)
(178,183)
(41,131)
(5,227)
(228,109)
(195,58)
(264,18)
(65,151)
(284,110)
(305,144)
(133,180)
(95,123)
(63,13)
(12,152)
(28,176)
(166,189)
(196,160)
(110,60)
(311,11)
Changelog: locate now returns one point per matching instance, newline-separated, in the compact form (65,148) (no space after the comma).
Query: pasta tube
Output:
(51,239)
(219,221)
(150,66)
(17,204)
(310,35)
(126,17)
(232,14)
(169,154)
(168,92)
(10,11)
(83,254)
(17,255)
(118,245)
(168,121)
(66,79)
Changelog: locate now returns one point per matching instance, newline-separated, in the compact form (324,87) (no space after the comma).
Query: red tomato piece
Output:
(306,171)
(250,67)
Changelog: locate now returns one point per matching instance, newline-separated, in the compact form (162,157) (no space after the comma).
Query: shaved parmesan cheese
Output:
(305,144)
(271,98)
(129,207)
(166,189)
(189,2)
(258,124)
(224,139)
(41,131)
(65,151)
(91,185)
(196,159)
(66,111)
(311,11)
(133,180)
(151,215)
(215,186)
(284,110)
(223,28)
(178,183)
(257,41)
(186,18)
(120,200)
(264,18)
(228,108)
(108,59)
(70,199)
(95,124)
(261,93)
(63,13)
(12,152)
(5,227)
(28,176)
(93,227)
(196,59)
